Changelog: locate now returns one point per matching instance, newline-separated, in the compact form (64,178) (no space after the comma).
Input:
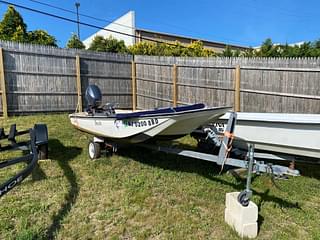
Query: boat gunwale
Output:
(77,115)
(294,118)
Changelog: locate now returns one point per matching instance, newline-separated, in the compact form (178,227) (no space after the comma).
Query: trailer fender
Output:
(41,134)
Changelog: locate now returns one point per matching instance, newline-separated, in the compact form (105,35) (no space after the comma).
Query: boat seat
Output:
(160,111)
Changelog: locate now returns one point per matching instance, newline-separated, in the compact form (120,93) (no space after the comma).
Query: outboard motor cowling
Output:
(93,96)
(94,100)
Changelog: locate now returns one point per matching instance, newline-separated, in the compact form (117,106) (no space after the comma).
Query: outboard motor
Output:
(94,97)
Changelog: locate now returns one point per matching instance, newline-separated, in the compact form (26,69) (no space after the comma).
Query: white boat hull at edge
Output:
(296,134)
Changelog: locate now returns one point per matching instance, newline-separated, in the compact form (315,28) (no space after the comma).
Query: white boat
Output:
(139,126)
(296,134)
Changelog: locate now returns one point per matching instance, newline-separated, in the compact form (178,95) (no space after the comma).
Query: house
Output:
(124,29)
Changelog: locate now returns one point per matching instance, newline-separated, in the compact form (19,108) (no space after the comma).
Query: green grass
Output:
(139,194)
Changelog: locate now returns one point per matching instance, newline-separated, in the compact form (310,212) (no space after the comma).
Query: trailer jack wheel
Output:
(94,150)
(244,198)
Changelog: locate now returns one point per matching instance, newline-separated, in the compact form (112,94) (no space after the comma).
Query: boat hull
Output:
(140,129)
(296,134)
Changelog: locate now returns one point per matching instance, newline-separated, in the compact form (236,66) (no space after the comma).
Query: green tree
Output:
(110,44)
(74,42)
(266,49)
(316,48)
(285,50)
(97,44)
(41,37)
(227,52)
(248,53)
(143,48)
(305,50)
(194,49)
(115,45)
(12,26)
(19,35)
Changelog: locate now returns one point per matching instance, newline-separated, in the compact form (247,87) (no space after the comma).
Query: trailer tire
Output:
(94,150)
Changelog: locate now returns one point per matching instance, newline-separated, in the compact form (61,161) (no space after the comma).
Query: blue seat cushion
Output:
(159,111)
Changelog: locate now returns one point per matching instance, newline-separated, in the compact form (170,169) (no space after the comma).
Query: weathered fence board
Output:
(266,85)
(44,79)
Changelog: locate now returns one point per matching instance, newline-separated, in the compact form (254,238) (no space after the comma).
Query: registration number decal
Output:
(139,123)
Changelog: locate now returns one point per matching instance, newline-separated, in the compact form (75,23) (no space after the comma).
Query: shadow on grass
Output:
(204,168)
(309,167)
(37,174)
(62,154)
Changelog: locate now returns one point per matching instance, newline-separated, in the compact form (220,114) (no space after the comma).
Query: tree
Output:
(227,52)
(41,37)
(110,44)
(305,49)
(143,48)
(74,42)
(114,45)
(97,44)
(12,26)
(268,49)
(19,35)
(194,49)
(248,53)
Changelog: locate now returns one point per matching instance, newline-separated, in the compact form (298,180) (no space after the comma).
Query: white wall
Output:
(124,24)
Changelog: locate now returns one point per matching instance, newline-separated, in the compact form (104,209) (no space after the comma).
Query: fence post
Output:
(3,87)
(237,89)
(134,85)
(78,72)
(174,86)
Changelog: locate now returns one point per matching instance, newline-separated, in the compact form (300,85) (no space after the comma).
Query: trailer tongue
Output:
(37,147)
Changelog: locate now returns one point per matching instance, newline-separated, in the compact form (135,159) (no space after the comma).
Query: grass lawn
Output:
(139,194)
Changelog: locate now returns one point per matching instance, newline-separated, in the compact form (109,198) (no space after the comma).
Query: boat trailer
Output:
(249,161)
(36,148)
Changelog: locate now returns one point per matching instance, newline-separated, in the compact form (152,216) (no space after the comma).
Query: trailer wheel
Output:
(243,199)
(43,151)
(94,150)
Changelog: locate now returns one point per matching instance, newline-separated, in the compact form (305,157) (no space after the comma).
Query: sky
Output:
(239,22)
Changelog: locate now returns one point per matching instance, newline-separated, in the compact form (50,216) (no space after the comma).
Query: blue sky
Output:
(241,22)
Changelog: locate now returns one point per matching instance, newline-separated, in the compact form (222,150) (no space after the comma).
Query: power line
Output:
(84,24)
(119,24)
(80,14)
(88,24)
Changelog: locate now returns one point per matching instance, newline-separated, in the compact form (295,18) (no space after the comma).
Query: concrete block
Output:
(242,219)
(228,217)
(249,230)
(247,214)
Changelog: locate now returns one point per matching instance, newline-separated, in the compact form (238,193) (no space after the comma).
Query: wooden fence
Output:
(46,79)
(248,84)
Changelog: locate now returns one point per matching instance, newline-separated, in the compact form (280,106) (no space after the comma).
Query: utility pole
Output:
(77,7)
